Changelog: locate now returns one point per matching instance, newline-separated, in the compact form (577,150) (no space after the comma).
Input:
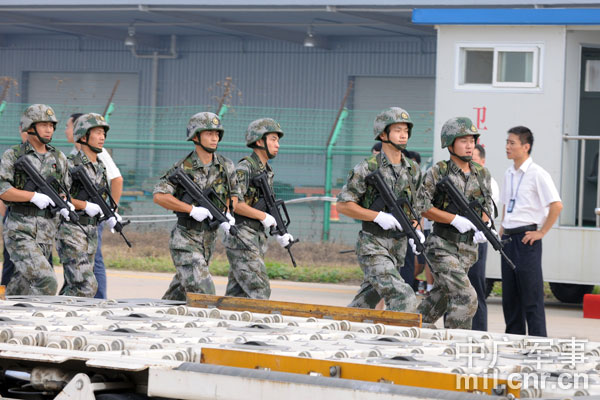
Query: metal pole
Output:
(342,113)
(328,162)
(580,189)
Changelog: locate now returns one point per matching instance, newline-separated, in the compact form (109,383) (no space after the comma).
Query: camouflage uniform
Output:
(247,272)
(76,250)
(192,242)
(380,253)
(29,231)
(453,254)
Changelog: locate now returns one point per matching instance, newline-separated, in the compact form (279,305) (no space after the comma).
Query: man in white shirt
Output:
(531,206)
(477,271)
(116,189)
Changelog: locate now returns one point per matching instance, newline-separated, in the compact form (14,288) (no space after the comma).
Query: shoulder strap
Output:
(373,162)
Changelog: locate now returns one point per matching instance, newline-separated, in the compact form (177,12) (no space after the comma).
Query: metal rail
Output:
(581,181)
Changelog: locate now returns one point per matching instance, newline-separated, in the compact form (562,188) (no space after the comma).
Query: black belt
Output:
(249,222)
(87,220)
(520,229)
(451,234)
(31,211)
(374,229)
(191,223)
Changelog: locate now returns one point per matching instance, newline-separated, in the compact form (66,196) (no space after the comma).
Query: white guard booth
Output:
(539,68)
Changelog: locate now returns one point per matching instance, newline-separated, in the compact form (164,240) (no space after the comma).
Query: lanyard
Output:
(512,197)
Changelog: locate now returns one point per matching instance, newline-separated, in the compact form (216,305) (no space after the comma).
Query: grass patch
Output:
(220,267)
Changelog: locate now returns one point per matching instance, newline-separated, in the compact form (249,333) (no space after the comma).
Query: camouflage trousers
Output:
(191,250)
(28,240)
(247,272)
(452,292)
(379,259)
(76,254)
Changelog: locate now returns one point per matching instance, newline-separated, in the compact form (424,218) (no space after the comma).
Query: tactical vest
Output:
(371,198)
(20,176)
(253,193)
(77,187)
(221,184)
(441,199)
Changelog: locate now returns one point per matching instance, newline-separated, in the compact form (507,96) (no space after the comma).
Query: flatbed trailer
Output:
(66,347)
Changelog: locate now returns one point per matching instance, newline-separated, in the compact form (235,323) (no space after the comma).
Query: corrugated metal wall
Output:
(268,73)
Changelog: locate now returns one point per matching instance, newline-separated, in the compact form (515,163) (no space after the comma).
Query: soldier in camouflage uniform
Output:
(30,227)
(247,272)
(76,250)
(381,245)
(192,239)
(452,244)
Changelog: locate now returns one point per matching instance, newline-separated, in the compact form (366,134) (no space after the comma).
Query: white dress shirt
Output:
(532,196)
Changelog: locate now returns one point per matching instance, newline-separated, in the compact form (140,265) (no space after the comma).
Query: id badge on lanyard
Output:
(513,197)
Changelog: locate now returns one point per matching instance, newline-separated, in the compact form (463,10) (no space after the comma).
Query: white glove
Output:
(387,221)
(200,213)
(462,224)
(225,226)
(65,214)
(41,200)
(92,209)
(268,222)
(71,206)
(479,237)
(284,240)
(412,243)
(112,221)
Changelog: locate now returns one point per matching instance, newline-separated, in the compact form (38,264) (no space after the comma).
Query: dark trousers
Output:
(477,278)
(523,288)
(407,272)
(99,268)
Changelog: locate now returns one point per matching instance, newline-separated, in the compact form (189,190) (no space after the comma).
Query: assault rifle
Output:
(37,183)
(396,208)
(202,198)
(272,206)
(91,192)
(467,210)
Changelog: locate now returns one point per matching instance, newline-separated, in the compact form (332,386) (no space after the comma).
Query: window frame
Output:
(537,66)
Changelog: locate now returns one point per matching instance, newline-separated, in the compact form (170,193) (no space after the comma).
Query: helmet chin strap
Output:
(463,158)
(95,149)
(41,139)
(199,143)
(398,146)
(266,149)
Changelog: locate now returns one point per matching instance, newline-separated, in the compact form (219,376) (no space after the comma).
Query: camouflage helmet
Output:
(204,121)
(458,127)
(37,113)
(259,128)
(86,122)
(392,115)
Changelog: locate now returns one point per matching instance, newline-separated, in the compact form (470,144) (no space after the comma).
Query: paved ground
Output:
(563,321)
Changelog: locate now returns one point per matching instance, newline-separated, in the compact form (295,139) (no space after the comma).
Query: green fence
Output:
(146,141)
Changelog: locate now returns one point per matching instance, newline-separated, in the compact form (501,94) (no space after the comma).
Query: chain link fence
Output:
(146,141)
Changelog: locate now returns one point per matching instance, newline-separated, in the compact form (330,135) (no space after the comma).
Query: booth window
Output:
(499,66)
